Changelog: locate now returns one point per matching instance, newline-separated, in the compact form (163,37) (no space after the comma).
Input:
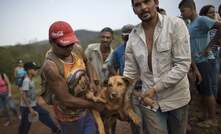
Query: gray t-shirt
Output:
(28,86)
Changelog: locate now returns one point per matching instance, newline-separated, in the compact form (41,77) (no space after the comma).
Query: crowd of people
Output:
(157,55)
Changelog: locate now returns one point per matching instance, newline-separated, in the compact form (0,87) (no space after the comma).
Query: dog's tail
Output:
(99,121)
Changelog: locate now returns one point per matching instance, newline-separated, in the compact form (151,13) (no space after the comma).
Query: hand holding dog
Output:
(98,106)
(148,97)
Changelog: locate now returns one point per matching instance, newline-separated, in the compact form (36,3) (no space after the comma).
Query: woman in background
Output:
(5,93)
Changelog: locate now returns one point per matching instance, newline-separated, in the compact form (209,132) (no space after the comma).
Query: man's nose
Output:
(144,7)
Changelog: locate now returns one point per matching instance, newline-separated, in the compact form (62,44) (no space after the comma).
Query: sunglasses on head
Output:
(67,46)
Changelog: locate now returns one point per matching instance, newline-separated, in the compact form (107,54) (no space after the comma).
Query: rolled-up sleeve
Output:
(131,66)
(181,57)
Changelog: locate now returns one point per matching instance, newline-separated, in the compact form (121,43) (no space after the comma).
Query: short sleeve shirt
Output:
(29,87)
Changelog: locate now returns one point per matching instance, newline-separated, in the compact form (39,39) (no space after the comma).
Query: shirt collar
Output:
(140,31)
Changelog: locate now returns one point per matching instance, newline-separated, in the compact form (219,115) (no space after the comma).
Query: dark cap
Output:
(126,29)
(20,62)
(31,65)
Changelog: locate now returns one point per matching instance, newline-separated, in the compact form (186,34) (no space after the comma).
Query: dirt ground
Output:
(123,127)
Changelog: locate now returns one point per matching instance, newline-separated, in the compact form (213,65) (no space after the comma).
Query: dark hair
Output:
(161,10)
(187,3)
(132,2)
(204,10)
(107,29)
(2,75)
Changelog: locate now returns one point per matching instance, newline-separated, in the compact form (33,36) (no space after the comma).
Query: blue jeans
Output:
(209,84)
(43,117)
(170,122)
(136,128)
(85,125)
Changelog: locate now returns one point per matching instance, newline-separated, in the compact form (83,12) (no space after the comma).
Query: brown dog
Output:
(113,96)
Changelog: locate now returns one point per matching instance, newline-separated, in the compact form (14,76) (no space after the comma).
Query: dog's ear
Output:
(126,80)
(105,83)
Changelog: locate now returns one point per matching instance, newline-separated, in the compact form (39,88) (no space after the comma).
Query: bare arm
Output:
(59,87)
(196,72)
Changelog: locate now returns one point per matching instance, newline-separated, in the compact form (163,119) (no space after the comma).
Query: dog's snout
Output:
(113,95)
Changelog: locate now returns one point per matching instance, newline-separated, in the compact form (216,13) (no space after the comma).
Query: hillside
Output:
(9,55)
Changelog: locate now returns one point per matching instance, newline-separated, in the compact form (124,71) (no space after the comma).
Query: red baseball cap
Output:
(61,33)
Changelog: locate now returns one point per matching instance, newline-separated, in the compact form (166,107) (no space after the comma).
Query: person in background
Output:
(117,59)
(5,93)
(209,11)
(160,56)
(29,109)
(99,54)
(19,74)
(203,57)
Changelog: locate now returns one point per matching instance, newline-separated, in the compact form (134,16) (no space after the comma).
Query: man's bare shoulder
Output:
(49,68)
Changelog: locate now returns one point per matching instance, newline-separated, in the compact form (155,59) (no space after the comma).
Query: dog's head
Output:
(117,86)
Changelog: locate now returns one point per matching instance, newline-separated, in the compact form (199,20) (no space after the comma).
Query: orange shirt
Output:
(69,69)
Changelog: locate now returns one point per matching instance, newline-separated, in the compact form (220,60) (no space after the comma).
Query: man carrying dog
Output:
(61,66)
(158,53)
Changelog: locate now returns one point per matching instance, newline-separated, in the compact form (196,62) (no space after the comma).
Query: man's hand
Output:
(9,94)
(205,52)
(198,77)
(150,93)
(34,114)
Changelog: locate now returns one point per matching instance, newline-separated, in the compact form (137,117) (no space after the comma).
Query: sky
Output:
(25,21)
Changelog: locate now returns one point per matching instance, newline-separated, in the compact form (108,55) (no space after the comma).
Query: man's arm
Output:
(59,87)
(131,71)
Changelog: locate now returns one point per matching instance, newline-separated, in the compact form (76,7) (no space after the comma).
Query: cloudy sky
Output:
(24,21)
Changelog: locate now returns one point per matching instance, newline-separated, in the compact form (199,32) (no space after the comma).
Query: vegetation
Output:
(9,55)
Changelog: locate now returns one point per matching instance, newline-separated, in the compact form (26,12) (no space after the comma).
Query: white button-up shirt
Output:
(171,59)
(95,57)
